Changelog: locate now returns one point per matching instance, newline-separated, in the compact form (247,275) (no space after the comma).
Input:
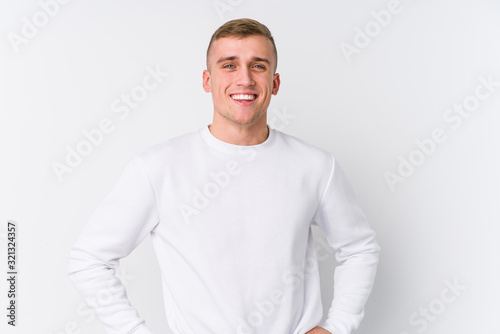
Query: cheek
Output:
(267,90)
(267,85)
(220,86)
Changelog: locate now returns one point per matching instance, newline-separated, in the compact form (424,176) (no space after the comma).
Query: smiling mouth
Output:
(244,97)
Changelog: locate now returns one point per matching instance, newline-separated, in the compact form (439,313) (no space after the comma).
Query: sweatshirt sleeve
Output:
(119,223)
(348,232)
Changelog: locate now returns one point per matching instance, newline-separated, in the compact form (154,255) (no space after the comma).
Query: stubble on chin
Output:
(229,116)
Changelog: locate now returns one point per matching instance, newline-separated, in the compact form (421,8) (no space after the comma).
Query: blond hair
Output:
(242,28)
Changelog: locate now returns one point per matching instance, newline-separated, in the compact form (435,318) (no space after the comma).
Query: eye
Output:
(261,67)
(228,66)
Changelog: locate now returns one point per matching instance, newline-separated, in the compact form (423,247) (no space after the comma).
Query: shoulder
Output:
(167,154)
(171,147)
(303,149)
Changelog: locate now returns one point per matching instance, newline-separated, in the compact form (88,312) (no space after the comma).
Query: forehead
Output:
(246,47)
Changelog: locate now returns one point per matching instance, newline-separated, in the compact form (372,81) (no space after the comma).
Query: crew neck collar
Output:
(232,148)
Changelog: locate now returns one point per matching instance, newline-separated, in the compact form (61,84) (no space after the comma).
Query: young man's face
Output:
(241,78)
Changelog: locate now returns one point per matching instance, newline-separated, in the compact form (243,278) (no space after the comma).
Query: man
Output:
(230,209)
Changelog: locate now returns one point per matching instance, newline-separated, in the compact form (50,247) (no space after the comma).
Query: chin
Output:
(247,119)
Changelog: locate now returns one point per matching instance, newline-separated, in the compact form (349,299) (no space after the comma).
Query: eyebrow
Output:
(223,59)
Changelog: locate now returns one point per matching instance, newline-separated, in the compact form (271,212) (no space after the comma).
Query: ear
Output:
(276,84)
(206,81)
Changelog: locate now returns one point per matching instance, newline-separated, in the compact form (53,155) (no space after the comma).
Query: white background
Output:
(441,223)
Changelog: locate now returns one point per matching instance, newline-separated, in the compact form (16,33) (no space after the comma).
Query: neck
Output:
(238,134)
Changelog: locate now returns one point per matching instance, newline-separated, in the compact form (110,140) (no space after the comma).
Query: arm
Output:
(120,222)
(349,234)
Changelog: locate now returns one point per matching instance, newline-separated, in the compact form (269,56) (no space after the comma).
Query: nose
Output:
(244,77)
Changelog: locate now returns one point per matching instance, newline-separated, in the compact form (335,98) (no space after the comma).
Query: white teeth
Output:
(243,97)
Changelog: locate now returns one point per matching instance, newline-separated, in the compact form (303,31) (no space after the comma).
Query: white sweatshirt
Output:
(231,228)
